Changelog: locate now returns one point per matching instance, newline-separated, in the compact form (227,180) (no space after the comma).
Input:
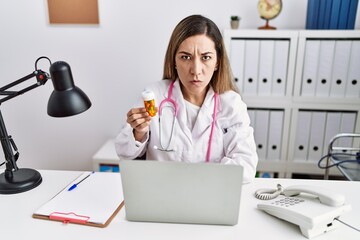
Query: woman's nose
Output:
(196,67)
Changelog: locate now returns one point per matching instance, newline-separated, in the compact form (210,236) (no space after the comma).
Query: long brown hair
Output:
(222,79)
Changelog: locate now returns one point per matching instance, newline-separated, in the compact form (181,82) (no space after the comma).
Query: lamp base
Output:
(22,180)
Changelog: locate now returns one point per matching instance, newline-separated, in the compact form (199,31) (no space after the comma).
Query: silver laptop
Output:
(177,192)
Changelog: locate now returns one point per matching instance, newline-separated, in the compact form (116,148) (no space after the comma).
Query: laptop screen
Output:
(178,192)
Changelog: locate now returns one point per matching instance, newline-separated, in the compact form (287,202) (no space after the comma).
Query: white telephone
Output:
(314,209)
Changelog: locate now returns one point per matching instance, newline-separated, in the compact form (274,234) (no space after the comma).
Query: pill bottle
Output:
(149,102)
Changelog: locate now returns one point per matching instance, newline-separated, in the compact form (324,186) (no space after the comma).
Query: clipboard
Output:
(94,202)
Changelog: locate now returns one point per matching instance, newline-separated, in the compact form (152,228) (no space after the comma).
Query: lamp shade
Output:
(66,99)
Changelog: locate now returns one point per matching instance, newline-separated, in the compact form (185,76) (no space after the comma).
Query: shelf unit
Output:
(283,70)
(106,159)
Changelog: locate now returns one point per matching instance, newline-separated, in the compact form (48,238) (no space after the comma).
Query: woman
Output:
(203,118)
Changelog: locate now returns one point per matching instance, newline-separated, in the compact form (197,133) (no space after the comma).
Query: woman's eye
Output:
(206,57)
(185,57)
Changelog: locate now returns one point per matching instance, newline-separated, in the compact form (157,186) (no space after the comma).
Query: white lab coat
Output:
(232,143)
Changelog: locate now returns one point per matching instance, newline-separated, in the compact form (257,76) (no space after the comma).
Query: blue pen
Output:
(76,184)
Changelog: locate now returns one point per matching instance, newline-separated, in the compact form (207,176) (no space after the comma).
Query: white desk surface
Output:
(16,220)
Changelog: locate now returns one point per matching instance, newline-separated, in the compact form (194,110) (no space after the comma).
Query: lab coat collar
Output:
(205,117)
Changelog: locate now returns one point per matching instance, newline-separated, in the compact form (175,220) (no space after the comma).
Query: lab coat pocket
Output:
(213,145)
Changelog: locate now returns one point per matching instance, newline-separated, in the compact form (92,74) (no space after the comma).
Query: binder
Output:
(326,57)
(251,67)
(334,15)
(275,134)
(353,79)
(237,61)
(347,125)
(311,60)
(321,20)
(281,56)
(309,14)
(261,130)
(266,60)
(94,202)
(327,14)
(312,14)
(343,14)
(316,140)
(332,127)
(340,68)
(302,136)
(352,14)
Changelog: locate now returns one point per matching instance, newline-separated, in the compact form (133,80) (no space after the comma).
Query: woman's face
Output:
(196,61)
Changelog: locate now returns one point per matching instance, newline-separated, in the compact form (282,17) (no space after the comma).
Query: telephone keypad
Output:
(287,201)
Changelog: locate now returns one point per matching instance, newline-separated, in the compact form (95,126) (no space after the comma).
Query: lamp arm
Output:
(41,78)
(7,142)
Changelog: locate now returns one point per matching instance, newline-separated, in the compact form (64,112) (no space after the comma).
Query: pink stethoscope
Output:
(176,110)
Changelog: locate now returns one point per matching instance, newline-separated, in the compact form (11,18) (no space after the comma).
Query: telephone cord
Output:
(346,224)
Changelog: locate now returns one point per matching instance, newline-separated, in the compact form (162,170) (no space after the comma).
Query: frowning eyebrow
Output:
(203,54)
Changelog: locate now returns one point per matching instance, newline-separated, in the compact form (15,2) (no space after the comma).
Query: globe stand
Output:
(267,26)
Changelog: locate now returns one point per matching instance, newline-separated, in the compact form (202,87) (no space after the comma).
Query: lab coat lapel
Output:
(181,118)
(205,117)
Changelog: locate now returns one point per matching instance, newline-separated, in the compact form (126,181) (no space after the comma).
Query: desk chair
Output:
(344,143)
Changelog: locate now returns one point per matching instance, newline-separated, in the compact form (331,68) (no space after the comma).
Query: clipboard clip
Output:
(69,217)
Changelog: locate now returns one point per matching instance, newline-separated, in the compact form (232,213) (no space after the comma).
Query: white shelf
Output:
(292,100)
(105,155)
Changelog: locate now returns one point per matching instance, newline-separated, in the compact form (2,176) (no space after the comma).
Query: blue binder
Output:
(312,14)
(335,11)
(327,13)
(352,14)
(321,19)
(343,14)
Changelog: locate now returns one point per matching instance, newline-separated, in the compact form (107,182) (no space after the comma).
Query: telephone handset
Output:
(313,208)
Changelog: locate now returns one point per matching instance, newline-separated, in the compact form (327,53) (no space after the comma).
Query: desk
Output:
(16,221)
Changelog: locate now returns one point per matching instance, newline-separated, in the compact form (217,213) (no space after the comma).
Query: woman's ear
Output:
(216,66)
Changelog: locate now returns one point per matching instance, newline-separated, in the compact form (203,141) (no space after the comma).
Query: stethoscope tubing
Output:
(208,153)
(176,109)
(166,149)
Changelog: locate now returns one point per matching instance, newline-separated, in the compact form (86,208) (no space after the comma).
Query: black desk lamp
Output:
(65,100)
